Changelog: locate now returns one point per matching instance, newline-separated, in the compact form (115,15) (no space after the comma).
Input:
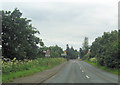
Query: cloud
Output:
(69,22)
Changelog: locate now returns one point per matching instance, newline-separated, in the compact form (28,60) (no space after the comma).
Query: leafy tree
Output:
(105,49)
(18,36)
(81,53)
(55,51)
(85,45)
(71,53)
(84,50)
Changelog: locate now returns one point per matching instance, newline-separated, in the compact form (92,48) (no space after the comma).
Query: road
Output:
(81,72)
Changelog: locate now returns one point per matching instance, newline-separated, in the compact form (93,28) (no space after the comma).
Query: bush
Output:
(10,66)
(93,60)
(86,57)
(105,49)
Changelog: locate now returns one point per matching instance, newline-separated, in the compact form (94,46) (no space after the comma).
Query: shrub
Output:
(93,60)
(14,65)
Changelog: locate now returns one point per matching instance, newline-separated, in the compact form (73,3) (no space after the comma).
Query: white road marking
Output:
(82,71)
(87,77)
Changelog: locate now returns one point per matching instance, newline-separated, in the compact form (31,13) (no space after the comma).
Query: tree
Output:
(84,50)
(81,53)
(105,49)
(55,51)
(71,53)
(18,36)
(85,45)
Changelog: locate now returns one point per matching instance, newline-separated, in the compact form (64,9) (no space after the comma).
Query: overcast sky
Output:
(64,22)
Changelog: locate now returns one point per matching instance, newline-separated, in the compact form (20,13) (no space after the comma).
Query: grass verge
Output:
(11,76)
(37,68)
(111,70)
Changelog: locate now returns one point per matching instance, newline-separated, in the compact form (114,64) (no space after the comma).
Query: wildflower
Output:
(14,59)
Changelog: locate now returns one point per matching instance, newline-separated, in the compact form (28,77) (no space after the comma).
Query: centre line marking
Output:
(87,77)
(82,71)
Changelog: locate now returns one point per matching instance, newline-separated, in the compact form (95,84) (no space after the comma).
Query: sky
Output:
(62,22)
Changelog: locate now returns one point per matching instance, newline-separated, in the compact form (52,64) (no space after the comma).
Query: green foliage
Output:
(18,36)
(119,49)
(81,53)
(55,51)
(85,45)
(94,60)
(17,68)
(84,50)
(111,70)
(71,53)
(105,49)
(86,57)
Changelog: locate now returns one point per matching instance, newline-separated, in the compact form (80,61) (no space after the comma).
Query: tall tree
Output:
(55,51)
(85,46)
(71,53)
(105,49)
(81,53)
(18,36)
(68,51)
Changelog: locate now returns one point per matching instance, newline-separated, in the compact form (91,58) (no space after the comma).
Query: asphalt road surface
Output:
(81,72)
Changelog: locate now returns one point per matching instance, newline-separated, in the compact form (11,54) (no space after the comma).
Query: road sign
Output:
(64,54)
(47,54)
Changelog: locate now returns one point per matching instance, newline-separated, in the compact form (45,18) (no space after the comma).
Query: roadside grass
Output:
(37,67)
(11,76)
(111,70)
(80,59)
(0,77)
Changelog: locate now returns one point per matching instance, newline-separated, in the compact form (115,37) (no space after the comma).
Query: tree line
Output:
(105,49)
(19,40)
(71,52)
